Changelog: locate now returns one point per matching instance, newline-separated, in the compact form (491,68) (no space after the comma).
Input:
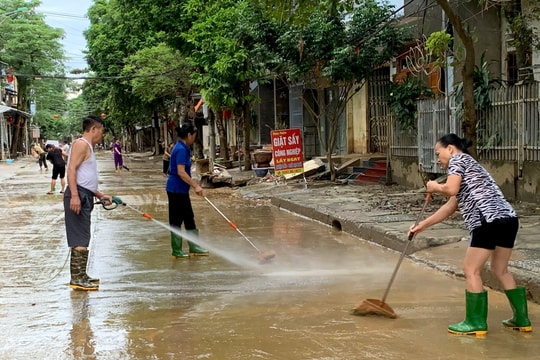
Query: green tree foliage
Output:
(77,109)
(160,76)
(224,50)
(31,49)
(402,99)
(286,12)
(108,47)
(331,54)
(482,102)
(165,17)
(232,44)
(49,95)
(136,73)
(464,33)
(523,27)
(157,72)
(437,46)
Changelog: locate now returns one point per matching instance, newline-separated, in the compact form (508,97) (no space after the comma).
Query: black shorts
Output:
(58,170)
(500,232)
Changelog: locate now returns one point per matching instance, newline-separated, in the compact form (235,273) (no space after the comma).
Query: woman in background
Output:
(118,156)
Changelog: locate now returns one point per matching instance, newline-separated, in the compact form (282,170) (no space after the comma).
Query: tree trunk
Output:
(223,144)
(212,133)
(324,132)
(132,134)
(469,122)
(331,142)
(156,133)
(198,146)
(247,131)
(18,139)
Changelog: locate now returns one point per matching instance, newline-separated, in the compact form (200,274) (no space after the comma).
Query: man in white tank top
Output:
(82,187)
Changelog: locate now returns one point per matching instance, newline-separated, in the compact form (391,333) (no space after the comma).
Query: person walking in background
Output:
(56,157)
(83,180)
(178,184)
(493,226)
(166,159)
(118,156)
(41,154)
(65,147)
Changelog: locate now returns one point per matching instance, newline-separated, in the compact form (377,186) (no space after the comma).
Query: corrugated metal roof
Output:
(4,108)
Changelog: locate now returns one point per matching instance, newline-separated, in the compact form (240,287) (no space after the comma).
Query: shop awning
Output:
(4,108)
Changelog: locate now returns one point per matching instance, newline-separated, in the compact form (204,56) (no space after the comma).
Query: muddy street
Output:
(226,305)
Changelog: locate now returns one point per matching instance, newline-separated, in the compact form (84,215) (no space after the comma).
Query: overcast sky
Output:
(69,16)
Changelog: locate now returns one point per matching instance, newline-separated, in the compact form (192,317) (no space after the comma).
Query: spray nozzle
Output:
(117,201)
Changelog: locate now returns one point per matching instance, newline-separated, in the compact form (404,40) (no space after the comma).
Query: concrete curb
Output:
(441,248)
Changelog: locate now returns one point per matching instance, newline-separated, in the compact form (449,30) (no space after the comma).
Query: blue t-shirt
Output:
(180,155)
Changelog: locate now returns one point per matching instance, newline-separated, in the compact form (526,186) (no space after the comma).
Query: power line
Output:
(62,15)
(116,77)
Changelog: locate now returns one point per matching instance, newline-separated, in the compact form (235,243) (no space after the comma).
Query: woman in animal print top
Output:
(493,226)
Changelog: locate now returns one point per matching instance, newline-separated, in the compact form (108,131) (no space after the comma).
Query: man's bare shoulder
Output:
(79,149)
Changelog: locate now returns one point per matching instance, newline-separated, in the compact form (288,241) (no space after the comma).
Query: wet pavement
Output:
(383,214)
(227,305)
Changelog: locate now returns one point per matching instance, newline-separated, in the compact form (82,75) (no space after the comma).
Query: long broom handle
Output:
(411,236)
(233,225)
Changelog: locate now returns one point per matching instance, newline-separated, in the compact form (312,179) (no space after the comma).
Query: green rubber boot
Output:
(475,322)
(176,244)
(79,279)
(195,249)
(518,301)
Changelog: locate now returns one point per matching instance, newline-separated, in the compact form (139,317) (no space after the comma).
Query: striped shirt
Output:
(479,198)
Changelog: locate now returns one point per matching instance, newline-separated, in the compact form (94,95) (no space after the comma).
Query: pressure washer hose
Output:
(115,202)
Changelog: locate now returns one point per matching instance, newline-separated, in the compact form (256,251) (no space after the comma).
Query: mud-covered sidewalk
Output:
(383,214)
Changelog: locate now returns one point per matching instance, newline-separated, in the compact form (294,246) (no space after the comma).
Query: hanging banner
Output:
(287,151)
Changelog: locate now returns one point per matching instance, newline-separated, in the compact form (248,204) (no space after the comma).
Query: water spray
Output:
(189,236)
(263,256)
